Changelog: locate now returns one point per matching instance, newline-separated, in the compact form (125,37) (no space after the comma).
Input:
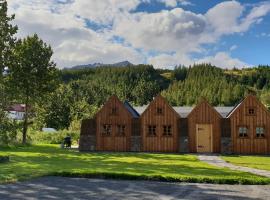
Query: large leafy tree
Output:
(7,39)
(7,43)
(34,74)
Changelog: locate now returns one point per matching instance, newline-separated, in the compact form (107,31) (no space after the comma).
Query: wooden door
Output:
(204,138)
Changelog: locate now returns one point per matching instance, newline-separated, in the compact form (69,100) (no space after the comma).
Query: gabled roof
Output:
(241,103)
(130,109)
(152,102)
(125,104)
(17,108)
(204,101)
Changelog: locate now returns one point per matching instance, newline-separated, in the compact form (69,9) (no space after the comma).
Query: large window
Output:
(243,132)
(152,130)
(260,132)
(167,130)
(106,129)
(121,130)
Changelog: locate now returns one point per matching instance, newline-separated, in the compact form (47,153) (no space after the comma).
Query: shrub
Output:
(39,137)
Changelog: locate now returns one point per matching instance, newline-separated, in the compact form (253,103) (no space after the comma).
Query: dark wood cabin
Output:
(204,129)
(250,127)
(160,127)
(115,125)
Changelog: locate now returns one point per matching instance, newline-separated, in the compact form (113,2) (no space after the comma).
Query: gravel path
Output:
(81,188)
(217,161)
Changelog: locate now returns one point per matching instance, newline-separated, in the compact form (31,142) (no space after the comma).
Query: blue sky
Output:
(163,33)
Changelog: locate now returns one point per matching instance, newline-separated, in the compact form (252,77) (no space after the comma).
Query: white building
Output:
(16,111)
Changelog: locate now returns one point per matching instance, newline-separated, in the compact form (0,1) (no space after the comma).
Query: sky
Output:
(164,33)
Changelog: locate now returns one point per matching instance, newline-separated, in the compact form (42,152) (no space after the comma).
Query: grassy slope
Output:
(41,160)
(258,162)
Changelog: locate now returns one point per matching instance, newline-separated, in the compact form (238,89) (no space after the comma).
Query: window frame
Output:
(255,132)
(159,110)
(114,111)
(251,114)
(238,132)
(151,127)
(167,128)
(121,127)
(105,133)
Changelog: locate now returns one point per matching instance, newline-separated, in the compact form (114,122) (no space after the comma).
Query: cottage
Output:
(160,127)
(112,127)
(250,127)
(204,128)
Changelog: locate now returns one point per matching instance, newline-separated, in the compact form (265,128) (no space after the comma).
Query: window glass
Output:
(121,130)
(114,111)
(159,111)
(151,130)
(260,132)
(167,130)
(243,132)
(107,129)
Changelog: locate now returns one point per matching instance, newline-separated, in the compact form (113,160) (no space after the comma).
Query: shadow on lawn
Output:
(70,188)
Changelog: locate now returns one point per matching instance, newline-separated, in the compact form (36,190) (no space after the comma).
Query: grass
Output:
(42,160)
(258,162)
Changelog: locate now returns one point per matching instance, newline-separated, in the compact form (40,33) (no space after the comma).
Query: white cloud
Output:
(174,3)
(233,47)
(172,30)
(174,33)
(224,60)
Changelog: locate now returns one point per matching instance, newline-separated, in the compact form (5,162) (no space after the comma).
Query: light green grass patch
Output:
(41,160)
(257,162)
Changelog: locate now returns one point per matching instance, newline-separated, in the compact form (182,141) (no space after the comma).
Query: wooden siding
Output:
(204,113)
(160,143)
(239,117)
(113,142)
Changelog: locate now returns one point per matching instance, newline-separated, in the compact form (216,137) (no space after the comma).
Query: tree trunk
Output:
(25,124)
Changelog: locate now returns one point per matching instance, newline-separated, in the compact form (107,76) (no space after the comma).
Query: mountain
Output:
(94,65)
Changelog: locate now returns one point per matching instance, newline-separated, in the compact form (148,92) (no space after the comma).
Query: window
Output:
(152,130)
(114,111)
(159,111)
(243,132)
(121,130)
(251,111)
(107,129)
(260,132)
(167,130)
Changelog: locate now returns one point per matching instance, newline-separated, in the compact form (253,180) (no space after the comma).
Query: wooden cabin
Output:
(204,129)
(250,127)
(114,125)
(160,127)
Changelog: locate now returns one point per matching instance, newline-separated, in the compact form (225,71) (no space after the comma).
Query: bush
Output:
(39,137)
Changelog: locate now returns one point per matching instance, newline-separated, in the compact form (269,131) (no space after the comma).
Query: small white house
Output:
(16,111)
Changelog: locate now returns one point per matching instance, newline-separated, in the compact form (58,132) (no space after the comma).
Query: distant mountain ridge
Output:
(94,65)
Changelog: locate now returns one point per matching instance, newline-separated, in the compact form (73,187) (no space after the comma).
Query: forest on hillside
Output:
(181,86)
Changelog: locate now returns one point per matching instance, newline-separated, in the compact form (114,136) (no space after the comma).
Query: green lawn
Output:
(42,160)
(258,162)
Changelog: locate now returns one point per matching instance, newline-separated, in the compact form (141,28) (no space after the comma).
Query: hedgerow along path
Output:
(43,160)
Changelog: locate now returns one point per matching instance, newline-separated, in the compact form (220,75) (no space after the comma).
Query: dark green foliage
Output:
(33,75)
(7,39)
(203,81)
(137,84)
